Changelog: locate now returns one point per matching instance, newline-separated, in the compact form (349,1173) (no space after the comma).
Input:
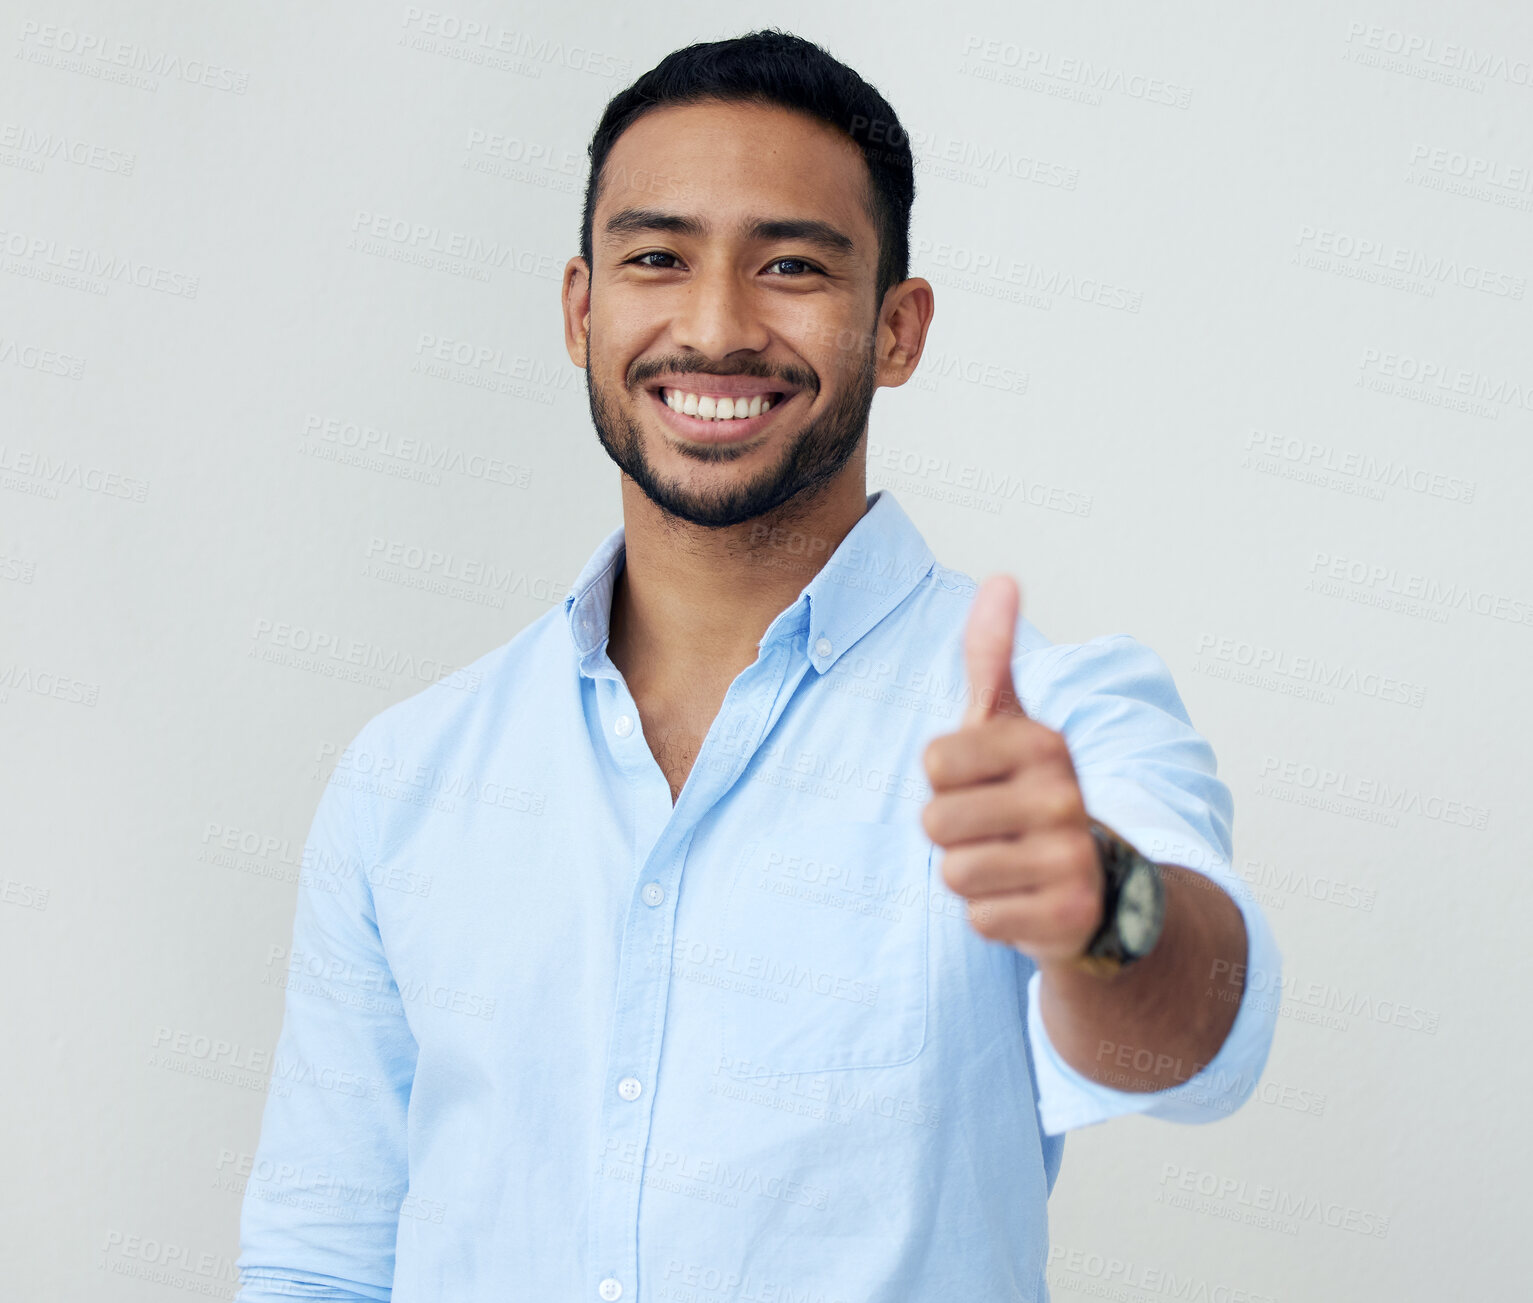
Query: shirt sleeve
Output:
(1148,774)
(322,1201)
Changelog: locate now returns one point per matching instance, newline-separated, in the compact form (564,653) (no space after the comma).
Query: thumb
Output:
(987,648)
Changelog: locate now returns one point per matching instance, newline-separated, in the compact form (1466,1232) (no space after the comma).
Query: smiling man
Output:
(790,895)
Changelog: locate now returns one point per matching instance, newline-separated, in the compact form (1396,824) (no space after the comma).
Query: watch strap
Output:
(1105,953)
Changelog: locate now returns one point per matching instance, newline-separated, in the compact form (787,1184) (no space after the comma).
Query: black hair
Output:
(775,67)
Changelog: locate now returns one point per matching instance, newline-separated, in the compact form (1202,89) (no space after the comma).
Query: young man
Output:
(762,919)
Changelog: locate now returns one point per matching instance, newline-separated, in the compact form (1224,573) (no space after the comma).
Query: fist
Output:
(1006,806)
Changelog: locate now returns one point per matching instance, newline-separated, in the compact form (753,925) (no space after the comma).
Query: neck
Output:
(691,603)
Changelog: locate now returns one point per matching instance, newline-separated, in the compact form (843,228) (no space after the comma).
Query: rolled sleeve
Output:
(322,1202)
(1147,773)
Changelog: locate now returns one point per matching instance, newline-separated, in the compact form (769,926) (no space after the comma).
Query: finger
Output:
(997,748)
(989,636)
(1036,862)
(1004,809)
(1052,924)
(973,814)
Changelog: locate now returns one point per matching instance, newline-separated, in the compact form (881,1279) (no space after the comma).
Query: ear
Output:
(906,317)
(575,295)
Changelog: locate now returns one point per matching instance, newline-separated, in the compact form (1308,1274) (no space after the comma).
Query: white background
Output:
(1231,352)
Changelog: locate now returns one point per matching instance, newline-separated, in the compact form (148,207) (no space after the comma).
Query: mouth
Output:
(707,423)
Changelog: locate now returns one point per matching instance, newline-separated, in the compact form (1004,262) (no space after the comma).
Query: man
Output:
(764,915)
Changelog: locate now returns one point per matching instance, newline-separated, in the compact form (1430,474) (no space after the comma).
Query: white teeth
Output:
(711,409)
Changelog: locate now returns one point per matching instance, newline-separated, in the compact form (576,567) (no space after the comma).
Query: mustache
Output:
(792,376)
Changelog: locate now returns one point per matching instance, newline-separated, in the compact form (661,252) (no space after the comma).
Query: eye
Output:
(800,261)
(653,253)
(641,260)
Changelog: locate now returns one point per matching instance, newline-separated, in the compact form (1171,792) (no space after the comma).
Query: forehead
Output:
(723,161)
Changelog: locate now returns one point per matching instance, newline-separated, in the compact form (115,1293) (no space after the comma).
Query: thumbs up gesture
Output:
(1006,806)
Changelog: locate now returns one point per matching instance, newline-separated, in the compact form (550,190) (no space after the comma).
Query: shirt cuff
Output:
(1067,1099)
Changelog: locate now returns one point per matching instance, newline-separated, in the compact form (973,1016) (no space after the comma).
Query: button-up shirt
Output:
(550,1037)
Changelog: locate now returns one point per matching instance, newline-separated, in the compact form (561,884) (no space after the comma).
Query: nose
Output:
(717,315)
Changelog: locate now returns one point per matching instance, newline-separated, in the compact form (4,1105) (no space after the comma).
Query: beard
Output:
(809,463)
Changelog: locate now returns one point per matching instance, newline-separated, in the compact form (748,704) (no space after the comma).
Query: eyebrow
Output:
(809,230)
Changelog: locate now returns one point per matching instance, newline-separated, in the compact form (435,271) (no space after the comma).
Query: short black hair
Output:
(775,67)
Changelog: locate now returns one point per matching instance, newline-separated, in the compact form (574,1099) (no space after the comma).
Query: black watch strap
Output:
(1105,953)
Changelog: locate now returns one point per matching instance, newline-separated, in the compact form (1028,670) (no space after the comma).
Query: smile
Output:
(701,417)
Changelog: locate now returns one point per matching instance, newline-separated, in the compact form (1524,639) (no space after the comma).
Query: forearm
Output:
(1157,1022)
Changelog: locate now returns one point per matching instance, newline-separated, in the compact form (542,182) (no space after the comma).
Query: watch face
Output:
(1137,910)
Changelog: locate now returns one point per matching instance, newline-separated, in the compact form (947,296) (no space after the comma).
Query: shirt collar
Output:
(881,559)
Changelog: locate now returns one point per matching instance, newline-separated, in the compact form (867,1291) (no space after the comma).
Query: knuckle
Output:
(957,872)
(1064,802)
(1077,911)
(1083,854)
(985,919)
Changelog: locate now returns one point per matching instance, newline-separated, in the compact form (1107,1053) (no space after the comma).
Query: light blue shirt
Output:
(549,1038)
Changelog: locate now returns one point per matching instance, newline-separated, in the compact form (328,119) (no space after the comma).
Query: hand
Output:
(1006,805)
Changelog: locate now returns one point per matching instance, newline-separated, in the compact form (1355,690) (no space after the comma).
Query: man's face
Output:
(717,310)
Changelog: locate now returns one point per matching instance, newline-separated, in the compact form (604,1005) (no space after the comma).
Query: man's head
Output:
(745,234)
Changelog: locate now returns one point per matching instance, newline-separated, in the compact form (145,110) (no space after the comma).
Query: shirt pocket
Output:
(826,922)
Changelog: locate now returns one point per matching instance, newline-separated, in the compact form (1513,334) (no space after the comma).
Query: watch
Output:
(1133,905)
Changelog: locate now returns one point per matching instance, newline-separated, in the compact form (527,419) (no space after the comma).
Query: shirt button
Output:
(822,647)
(629,1088)
(622,726)
(654,893)
(610,1289)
